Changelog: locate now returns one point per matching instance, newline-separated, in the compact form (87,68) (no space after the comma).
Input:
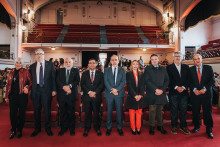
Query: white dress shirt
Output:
(38,71)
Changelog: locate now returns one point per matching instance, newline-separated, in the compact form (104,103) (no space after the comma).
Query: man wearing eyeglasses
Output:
(92,83)
(179,76)
(43,88)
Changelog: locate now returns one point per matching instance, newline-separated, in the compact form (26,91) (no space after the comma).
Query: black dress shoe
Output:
(19,134)
(49,132)
(151,131)
(133,132)
(120,132)
(195,130)
(210,135)
(99,133)
(72,133)
(108,132)
(34,133)
(161,129)
(139,132)
(61,133)
(12,135)
(85,134)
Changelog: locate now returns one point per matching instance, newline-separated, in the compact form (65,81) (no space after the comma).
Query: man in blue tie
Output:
(43,88)
(114,79)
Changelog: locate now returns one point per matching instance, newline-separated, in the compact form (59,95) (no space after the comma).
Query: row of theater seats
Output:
(83,34)
(45,33)
(48,33)
(210,50)
(122,35)
(155,34)
(80,113)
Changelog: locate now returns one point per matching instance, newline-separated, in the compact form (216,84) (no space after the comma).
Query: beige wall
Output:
(99,15)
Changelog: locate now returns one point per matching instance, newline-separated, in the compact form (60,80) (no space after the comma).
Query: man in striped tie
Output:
(202,79)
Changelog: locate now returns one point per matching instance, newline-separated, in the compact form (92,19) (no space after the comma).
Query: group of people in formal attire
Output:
(145,89)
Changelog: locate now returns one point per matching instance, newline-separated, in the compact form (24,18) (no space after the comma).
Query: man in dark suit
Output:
(178,92)
(115,80)
(92,83)
(156,80)
(43,88)
(202,79)
(67,82)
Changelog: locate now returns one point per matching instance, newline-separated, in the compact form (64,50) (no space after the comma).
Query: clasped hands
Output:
(158,91)
(138,97)
(67,89)
(92,94)
(180,89)
(114,91)
(198,92)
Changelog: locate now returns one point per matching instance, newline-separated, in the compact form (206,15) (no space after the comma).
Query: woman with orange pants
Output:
(135,98)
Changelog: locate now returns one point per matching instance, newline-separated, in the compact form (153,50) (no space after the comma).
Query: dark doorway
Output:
(59,16)
(86,55)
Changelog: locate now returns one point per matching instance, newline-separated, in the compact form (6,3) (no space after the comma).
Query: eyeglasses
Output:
(177,56)
(39,54)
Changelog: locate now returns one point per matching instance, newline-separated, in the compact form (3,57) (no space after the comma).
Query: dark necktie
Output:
(114,75)
(67,76)
(199,75)
(41,76)
(92,77)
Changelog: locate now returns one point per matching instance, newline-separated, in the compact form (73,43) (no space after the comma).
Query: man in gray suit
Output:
(114,78)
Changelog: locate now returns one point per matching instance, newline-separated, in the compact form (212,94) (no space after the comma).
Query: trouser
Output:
(18,104)
(178,103)
(206,103)
(118,101)
(138,113)
(41,98)
(155,111)
(92,105)
(67,111)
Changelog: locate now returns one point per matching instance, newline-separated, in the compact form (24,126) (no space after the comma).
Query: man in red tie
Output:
(202,79)
(92,83)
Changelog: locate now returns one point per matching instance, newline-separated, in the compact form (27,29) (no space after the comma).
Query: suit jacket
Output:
(156,79)
(207,80)
(109,82)
(73,81)
(177,80)
(97,85)
(49,78)
(131,102)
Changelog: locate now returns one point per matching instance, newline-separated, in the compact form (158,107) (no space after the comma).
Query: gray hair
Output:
(19,60)
(69,58)
(39,50)
(198,55)
(178,52)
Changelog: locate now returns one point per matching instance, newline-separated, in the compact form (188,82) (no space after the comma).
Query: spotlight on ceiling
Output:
(53,48)
(144,49)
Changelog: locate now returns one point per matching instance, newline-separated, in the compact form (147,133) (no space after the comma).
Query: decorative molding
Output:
(205,61)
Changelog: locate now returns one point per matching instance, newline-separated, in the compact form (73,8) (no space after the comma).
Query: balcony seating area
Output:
(83,34)
(155,34)
(90,34)
(45,33)
(210,50)
(122,35)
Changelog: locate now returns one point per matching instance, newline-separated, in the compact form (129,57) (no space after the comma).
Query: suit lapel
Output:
(71,75)
(176,70)
(203,74)
(132,78)
(45,70)
(34,71)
